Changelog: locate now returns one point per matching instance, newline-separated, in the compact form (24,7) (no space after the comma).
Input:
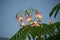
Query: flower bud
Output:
(19,18)
(50,21)
(28,18)
(36,24)
(22,24)
(38,15)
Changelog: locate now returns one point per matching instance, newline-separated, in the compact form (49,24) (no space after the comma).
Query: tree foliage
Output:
(31,32)
(35,31)
(55,10)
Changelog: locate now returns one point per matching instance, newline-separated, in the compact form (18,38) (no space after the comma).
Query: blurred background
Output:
(8,9)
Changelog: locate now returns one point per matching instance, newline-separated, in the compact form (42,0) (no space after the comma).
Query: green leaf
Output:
(56,8)
(26,12)
(17,14)
(13,37)
(57,24)
(35,31)
(56,13)
(33,35)
(29,37)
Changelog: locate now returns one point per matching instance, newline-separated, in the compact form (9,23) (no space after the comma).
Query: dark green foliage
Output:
(55,37)
(35,31)
(55,10)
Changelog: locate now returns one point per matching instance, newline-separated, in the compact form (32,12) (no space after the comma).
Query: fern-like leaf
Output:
(56,8)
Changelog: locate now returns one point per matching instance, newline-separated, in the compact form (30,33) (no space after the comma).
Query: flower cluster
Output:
(28,18)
